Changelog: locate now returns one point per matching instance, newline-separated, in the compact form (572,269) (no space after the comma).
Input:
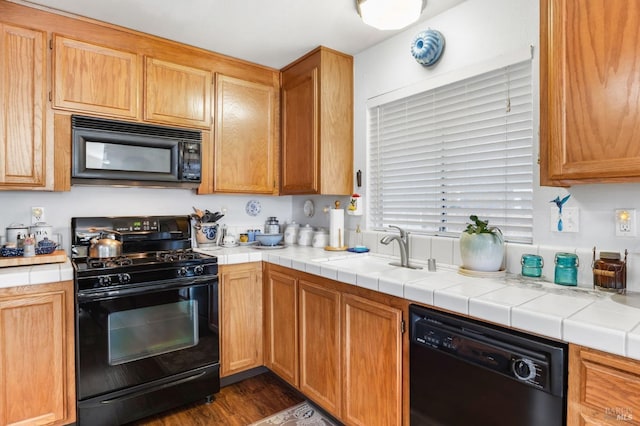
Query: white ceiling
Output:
(267,32)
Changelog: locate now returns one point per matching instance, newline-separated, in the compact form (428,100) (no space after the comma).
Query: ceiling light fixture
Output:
(390,14)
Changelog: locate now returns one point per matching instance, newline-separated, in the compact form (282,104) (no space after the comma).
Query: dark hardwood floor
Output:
(239,404)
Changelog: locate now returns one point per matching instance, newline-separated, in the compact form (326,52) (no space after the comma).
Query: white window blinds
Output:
(437,157)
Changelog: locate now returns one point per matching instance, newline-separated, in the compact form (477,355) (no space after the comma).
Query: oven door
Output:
(128,338)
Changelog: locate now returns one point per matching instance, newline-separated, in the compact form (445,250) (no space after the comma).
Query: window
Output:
(439,156)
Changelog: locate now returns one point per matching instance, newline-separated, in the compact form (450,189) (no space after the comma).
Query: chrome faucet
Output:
(403,241)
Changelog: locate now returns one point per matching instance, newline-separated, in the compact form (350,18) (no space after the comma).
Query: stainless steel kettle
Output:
(105,246)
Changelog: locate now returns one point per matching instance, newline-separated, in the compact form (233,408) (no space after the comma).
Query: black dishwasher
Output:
(465,372)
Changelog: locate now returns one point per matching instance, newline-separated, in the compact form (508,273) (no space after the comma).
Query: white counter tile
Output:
(368,280)
(633,343)
(422,291)
(496,306)
(601,325)
(44,274)
(544,314)
(456,298)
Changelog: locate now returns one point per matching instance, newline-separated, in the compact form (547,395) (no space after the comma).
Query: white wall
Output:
(477,31)
(60,207)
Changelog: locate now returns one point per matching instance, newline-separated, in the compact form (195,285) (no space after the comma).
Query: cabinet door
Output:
(177,94)
(320,354)
(246,137)
(36,357)
(22,111)
(240,318)
(96,79)
(372,345)
(604,389)
(300,135)
(590,90)
(282,326)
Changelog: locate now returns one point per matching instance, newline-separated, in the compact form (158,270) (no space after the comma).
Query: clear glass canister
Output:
(272,226)
(531,265)
(566,272)
(609,271)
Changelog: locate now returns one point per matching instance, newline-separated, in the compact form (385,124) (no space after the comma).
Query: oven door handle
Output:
(150,287)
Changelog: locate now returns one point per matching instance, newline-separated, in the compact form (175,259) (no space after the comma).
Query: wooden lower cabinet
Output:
(320,346)
(241,345)
(281,327)
(604,389)
(372,342)
(349,346)
(37,367)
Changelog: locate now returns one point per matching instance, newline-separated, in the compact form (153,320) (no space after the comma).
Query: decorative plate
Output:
(253,207)
(427,47)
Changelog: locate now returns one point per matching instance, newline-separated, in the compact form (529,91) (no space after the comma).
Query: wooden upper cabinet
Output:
(177,94)
(22,107)
(95,79)
(317,124)
(590,91)
(245,136)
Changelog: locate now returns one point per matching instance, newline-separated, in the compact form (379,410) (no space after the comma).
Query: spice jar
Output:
(531,265)
(29,246)
(566,272)
(609,272)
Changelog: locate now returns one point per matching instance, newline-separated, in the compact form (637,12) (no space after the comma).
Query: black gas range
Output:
(147,319)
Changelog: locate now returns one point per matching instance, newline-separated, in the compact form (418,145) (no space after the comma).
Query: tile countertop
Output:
(589,318)
(575,315)
(37,274)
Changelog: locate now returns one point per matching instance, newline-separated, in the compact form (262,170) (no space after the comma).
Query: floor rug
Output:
(303,414)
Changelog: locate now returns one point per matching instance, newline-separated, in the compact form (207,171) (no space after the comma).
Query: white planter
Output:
(481,252)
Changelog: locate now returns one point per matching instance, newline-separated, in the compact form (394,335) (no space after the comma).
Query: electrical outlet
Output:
(570,219)
(625,223)
(37,215)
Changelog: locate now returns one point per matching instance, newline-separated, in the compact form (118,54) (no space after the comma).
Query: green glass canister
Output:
(531,265)
(566,272)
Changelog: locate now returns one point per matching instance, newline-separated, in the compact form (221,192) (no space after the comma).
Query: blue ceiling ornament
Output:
(427,47)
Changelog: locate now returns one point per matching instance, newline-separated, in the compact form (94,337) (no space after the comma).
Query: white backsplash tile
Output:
(419,247)
(514,254)
(442,250)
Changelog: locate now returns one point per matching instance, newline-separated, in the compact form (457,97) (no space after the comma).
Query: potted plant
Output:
(481,246)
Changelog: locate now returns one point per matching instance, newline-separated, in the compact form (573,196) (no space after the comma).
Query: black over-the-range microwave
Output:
(109,152)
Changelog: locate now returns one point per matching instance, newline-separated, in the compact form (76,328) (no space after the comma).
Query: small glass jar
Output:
(609,271)
(29,246)
(532,265)
(244,238)
(566,272)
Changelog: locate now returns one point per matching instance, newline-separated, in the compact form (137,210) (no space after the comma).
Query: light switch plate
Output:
(570,219)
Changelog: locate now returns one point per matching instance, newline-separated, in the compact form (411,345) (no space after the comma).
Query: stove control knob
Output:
(198,269)
(524,369)
(182,272)
(104,281)
(124,278)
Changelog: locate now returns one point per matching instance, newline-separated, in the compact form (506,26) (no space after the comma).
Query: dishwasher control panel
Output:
(491,352)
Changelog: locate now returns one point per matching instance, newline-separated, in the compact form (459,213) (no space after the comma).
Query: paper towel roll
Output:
(336,228)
